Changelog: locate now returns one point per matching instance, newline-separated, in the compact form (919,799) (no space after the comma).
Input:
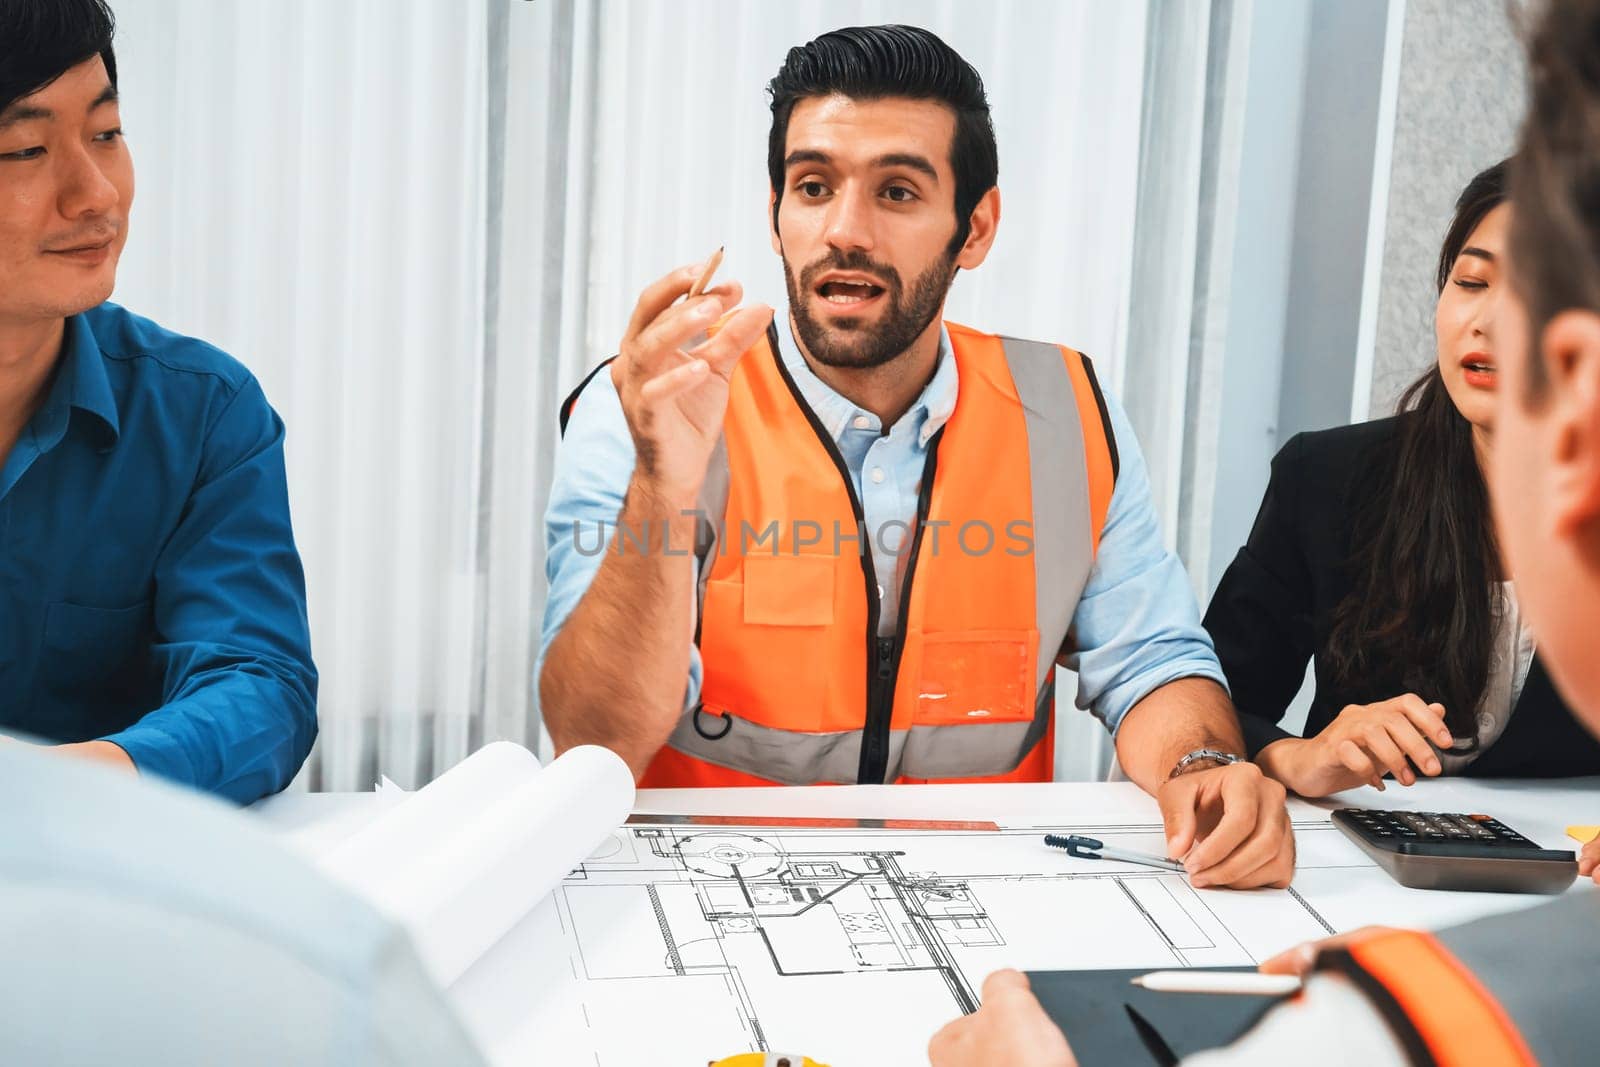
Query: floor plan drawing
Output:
(568,926)
(687,943)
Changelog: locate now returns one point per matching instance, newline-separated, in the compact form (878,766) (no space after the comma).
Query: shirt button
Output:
(861,422)
(877,475)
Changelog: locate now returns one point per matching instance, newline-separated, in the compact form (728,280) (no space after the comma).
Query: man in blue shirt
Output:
(883,162)
(152,603)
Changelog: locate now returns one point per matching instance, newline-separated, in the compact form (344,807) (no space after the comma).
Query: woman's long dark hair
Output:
(1419,617)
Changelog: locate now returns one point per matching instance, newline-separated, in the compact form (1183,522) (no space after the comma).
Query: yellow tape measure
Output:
(766,1059)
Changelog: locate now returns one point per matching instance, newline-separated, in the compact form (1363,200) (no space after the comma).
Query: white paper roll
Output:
(466,858)
(388,848)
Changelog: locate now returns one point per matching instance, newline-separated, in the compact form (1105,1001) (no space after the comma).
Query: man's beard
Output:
(850,342)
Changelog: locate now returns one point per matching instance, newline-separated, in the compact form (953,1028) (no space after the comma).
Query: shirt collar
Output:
(83,374)
(927,416)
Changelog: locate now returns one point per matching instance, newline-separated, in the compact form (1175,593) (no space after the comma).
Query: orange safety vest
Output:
(798,686)
(1442,1013)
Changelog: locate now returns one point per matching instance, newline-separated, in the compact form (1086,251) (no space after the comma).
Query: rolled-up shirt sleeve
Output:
(1136,627)
(232,642)
(592,471)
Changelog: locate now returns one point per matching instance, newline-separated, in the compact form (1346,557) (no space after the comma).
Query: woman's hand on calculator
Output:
(1362,744)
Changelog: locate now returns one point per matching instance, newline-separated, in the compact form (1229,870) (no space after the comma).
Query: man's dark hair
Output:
(40,40)
(1555,176)
(878,62)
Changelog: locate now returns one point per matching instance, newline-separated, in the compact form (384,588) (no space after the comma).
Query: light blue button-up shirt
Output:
(146,925)
(1136,626)
(885,467)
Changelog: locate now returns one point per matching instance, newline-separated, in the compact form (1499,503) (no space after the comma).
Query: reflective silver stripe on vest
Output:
(973,751)
(1063,553)
(1063,542)
(793,757)
(712,503)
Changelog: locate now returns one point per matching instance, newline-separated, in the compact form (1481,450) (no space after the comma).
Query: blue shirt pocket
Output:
(90,669)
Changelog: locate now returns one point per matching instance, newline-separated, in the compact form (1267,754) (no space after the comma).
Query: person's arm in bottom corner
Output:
(1011,1028)
(232,644)
(106,752)
(1589,860)
(1331,1022)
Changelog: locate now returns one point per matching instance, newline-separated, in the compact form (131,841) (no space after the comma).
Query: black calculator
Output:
(1434,850)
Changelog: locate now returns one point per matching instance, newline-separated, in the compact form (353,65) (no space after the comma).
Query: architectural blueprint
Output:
(681,944)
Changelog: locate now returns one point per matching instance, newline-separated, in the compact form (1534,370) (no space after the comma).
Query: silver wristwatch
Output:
(1222,759)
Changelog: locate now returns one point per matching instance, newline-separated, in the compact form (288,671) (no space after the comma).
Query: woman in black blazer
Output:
(1374,553)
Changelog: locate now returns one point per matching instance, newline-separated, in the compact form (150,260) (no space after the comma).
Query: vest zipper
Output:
(875,743)
(885,659)
(883,653)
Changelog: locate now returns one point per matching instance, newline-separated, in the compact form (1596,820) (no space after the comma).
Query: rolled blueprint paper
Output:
(417,826)
(468,857)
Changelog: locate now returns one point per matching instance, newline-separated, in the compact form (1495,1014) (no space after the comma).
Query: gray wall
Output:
(1255,288)
(1338,133)
(1304,197)
(1460,99)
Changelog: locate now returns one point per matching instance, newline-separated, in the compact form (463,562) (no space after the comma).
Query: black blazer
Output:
(1274,609)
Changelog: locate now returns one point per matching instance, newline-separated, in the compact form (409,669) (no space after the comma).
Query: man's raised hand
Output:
(674,397)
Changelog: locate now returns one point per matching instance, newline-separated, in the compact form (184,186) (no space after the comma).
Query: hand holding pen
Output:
(673,388)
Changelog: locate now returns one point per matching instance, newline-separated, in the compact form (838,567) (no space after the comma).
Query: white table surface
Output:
(503,999)
(1540,809)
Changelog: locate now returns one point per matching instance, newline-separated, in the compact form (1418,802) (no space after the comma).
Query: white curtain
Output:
(419,222)
(312,192)
(679,164)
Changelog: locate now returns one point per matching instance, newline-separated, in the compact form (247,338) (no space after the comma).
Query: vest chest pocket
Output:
(788,591)
(767,642)
(976,677)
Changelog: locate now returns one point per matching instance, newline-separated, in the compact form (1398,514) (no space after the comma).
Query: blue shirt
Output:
(150,591)
(1136,626)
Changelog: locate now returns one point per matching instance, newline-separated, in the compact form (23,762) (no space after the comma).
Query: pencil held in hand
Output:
(704,280)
